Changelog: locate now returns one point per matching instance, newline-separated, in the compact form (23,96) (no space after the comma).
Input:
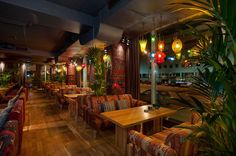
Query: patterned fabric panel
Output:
(145,146)
(126,97)
(122,104)
(96,102)
(11,125)
(180,144)
(111,97)
(161,135)
(108,106)
(7,140)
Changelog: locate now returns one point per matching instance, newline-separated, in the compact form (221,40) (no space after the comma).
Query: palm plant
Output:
(99,84)
(217,82)
(4,79)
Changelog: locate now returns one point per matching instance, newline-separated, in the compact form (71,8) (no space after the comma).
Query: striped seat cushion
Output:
(108,106)
(122,104)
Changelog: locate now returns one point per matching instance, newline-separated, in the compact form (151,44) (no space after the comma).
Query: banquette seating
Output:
(94,105)
(11,123)
(169,142)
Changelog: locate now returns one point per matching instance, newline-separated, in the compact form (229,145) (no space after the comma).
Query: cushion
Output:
(19,91)
(122,104)
(12,101)
(3,118)
(108,106)
(7,109)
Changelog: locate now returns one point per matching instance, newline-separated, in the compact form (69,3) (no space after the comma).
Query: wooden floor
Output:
(49,131)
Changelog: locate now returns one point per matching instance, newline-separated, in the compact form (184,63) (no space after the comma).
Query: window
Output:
(176,65)
(171,66)
(165,66)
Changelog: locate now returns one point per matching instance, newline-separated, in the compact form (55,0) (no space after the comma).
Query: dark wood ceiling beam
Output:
(106,11)
(53,9)
(29,53)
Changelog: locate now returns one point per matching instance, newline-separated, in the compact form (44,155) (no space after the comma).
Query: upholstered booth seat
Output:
(11,124)
(9,139)
(94,105)
(169,142)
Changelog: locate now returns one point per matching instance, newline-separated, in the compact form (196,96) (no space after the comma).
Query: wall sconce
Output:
(23,67)
(2,65)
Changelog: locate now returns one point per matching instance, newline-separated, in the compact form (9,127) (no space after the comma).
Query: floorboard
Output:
(49,131)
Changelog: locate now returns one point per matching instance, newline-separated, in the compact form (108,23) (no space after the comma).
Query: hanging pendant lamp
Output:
(160,45)
(177,45)
(143,44)
(79,68)
(160,57)
(106,58)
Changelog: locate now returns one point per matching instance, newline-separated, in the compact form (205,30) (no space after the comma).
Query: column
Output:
(38,75)
(85,72)
(45,73)
(153,73)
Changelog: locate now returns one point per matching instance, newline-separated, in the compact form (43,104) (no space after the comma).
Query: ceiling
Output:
(36,31)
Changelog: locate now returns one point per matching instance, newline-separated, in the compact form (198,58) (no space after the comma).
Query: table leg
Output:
(141,128)
(157,124)
(76,110)
(121,138)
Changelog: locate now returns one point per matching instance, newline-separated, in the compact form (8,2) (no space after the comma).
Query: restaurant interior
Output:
(117,77)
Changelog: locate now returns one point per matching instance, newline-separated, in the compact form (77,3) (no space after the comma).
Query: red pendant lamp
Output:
(160,57)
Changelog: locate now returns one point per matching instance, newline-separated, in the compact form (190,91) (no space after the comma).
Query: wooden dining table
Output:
(74,96)
(125,119)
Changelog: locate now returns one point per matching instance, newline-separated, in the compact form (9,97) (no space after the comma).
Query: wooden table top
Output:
(73,95)
(133,116)
(3,88)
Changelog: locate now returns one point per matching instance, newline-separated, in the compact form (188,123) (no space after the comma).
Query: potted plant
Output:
(217,81)
(5,78)
(95,58)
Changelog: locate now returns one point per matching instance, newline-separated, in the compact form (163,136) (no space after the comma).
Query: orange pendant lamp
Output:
(160,45)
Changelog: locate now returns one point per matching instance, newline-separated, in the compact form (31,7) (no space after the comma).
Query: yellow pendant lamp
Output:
(143,44)
(79,68)
(177,45)
(106,58)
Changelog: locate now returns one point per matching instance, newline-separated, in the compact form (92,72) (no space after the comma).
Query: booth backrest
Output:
(95,102)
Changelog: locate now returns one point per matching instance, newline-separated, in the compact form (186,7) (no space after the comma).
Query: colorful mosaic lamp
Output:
(160,57)
(143,44)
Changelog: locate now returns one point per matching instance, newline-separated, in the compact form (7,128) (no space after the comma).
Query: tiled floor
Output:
(49,131)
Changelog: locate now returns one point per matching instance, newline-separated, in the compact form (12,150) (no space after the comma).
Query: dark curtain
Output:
(133,69)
